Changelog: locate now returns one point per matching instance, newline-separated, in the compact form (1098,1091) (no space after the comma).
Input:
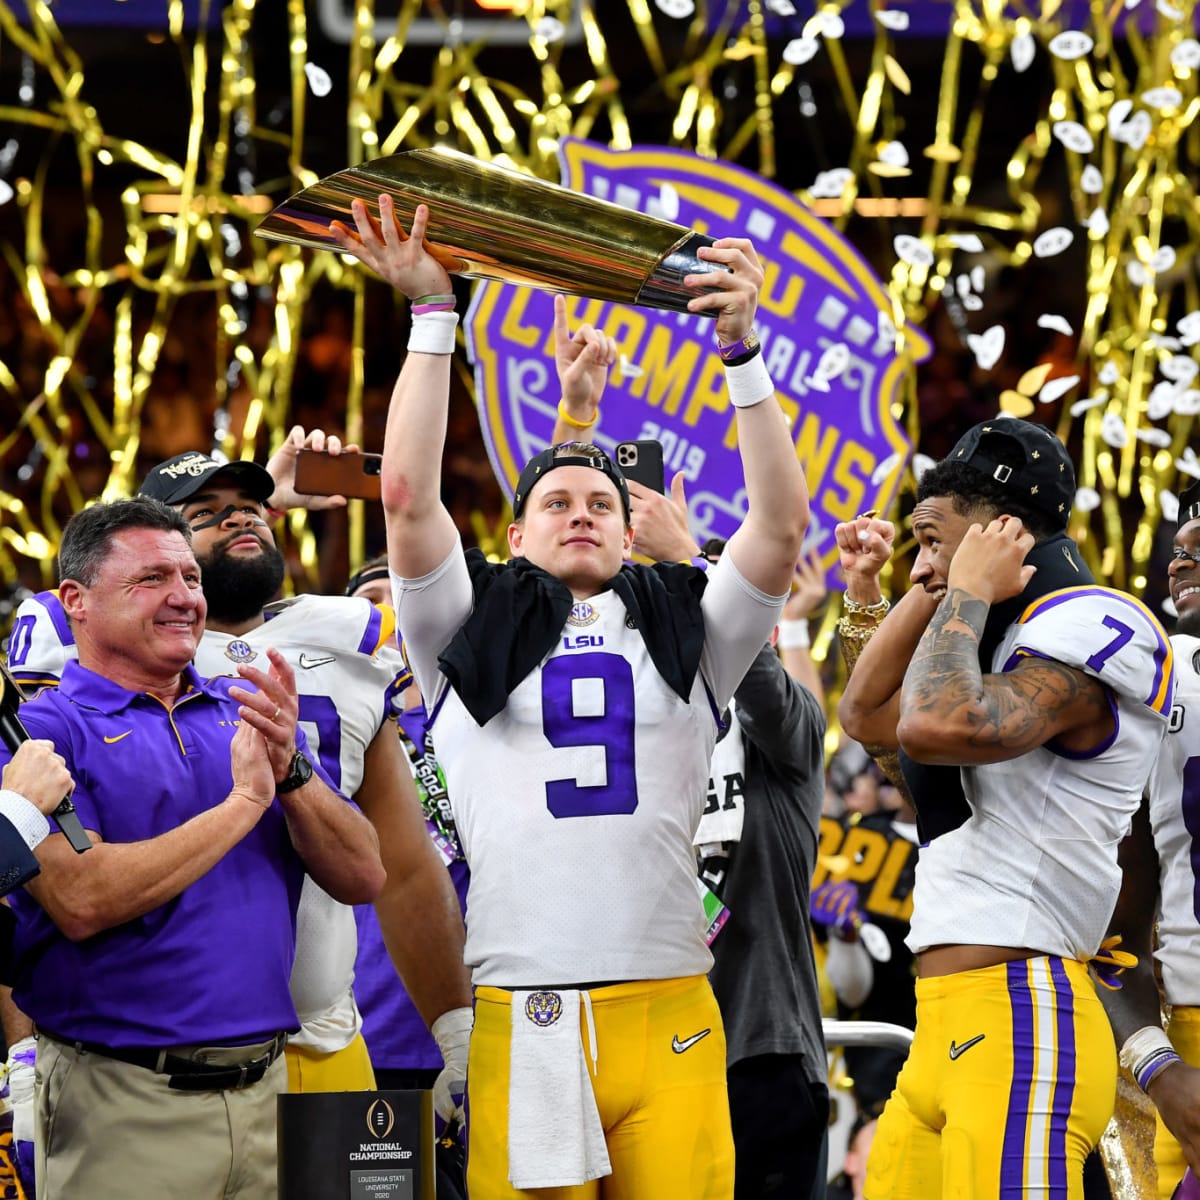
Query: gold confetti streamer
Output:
(186,223)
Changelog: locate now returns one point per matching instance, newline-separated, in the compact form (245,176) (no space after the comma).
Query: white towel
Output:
(555,1138)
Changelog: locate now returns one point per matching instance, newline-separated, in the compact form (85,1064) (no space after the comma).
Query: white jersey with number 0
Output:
(1175,820)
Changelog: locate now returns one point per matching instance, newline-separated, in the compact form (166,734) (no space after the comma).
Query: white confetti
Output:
(668,202)
(1187,402)
(1086,499)
(1113,431)
(894,154)
(627,369)
(1169,503)
(972,302)
(829,185)
(962,285)
(1161,401)
(1189,328)
(912,250)
(1081,406)
(550,29)
(6,192)
(799,50)
(318,79)
(782,8)
(987,346)
(1188,463)
(884,469)
(832,25)
(1055,322)
(1135,131)
(1097,223)
(1091,180)
(1138,275)
(1162,97)
(885,328)
(978,278)
(1154,437)
(833,361)
(1074,136)
(675,8)
(1052,241)
(895,19)
(1163,260)
(1022,52)
(1168,605)
(1054,388)
(1186,56)
(1070,45)
(970,243)
(1118,114)
(920,464)
(1181,368)
(1109,374)
(1169,11)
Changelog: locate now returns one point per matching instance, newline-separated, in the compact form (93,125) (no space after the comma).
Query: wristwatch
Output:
(299,773)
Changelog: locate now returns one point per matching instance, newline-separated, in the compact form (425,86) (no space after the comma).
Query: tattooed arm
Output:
(950,712)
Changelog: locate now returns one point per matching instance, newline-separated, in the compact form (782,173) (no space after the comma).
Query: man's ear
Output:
(516,535)
(72,595)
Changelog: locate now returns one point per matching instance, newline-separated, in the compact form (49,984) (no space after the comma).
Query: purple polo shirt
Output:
(210,966)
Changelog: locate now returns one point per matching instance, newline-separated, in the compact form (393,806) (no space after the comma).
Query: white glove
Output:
(21,1071)
(452,1031)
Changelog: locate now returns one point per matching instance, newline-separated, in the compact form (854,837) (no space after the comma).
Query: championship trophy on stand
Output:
(490,222)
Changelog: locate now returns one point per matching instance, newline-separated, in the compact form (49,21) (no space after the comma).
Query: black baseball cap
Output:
(1189,504)
(568,454)
(175,480)
(1025,459)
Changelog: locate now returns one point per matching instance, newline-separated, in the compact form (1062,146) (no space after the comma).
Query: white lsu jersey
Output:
(348,682)
(1175,820)
(1035,865)
(577,803)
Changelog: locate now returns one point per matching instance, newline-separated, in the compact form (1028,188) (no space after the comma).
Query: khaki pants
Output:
(107,1130)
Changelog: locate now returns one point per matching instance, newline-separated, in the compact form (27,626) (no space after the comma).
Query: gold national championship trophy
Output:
(494,223)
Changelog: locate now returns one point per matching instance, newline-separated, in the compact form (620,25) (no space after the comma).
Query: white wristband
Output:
(749,383)
(1147,1052)
(793,635)
(433,333)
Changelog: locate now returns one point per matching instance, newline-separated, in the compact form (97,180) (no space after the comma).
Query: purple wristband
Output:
(741,351)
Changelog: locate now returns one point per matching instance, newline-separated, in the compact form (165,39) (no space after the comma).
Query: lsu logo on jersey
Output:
(543,1008)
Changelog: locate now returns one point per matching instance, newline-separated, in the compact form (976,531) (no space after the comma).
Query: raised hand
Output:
(281,466)
(399,258)
(582,359)
(660,523)
(808,588)
(735,299)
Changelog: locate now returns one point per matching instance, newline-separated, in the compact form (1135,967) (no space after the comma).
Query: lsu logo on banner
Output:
(818,293)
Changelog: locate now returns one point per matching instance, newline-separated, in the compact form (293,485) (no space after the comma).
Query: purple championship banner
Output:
(820,304)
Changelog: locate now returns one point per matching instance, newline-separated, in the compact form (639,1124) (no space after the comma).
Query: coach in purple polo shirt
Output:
(156,964)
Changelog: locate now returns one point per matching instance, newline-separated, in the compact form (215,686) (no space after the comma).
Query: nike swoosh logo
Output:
(119,736)
(308,663)
(687,1043)
(956,1050)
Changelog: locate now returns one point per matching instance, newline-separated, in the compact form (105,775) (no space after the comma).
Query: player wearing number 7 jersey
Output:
(1162,879)
(1047,698)
(574,705)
